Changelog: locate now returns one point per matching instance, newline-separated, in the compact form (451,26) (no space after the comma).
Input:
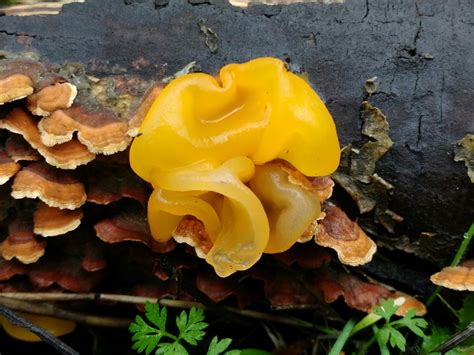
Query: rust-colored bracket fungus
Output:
(53,221)
(17,79)
(338,232)
(235,152)
(54,187)
(65,156)
(57,96)
(101,132)
(8,167)
(460,278)
(21,243)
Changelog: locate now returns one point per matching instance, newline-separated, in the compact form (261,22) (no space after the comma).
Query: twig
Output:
(51,310)
(65,297)
(46,336)
(456,339)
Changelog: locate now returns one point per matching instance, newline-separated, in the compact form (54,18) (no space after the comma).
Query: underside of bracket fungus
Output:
(236,152)
(460,278)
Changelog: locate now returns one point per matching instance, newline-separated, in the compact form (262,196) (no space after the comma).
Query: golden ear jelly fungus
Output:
(57,327)
(205,144)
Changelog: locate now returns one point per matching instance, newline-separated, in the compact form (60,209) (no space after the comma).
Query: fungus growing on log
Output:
(338,232)
(129,225)
(17,79)
(59,95)
(21,243)
(54,187)
(53,221)
(212,147)
(65,156)
(459,278)
(101,131)
(20,150)
(8,167)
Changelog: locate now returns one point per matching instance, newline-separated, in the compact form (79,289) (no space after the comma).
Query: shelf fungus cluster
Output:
(239,165)
(63,141)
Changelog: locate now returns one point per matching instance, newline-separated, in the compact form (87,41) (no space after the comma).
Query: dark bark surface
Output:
(422,52)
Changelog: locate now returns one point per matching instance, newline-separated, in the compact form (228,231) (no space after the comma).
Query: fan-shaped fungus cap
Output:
(101,131)
(65,156)
(201,141)
(8,167)
(17,79)
(21,243)
(338,232)
(54,187)
(59,95)
(20,150)
(57,327)
(460,278)
(52,221)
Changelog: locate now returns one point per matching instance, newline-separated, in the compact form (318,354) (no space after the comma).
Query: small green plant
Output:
(152,335)
(386,335)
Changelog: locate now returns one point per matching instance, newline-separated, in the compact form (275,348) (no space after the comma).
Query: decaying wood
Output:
(421,53)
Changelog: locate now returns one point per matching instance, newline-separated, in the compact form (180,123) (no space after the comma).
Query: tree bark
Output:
(421,51)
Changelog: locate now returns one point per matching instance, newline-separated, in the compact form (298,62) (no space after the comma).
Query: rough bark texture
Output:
(421,52)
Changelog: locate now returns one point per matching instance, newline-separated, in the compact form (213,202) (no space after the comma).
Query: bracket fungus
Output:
(54,187)
(236,152)
(460,278)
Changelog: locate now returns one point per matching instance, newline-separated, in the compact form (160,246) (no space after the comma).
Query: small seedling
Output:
(151,334)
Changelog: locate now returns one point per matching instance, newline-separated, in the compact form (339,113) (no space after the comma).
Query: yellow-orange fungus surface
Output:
(57,327)
(205,145)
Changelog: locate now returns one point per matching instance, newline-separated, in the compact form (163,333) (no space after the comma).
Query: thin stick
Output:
(65,297)
(46,336)
(51,310)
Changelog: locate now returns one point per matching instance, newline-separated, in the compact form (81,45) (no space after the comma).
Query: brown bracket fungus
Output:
(8,167)
(20,150)
(59,95)
(459,278)
(21,243)
(101,131)
(65,156)
(54,187)
(10,268)
(130,225)
(17,79)
(52,221)
(338,232)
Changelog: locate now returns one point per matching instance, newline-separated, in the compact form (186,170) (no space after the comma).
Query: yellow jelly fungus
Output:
(55,326)
(204,144)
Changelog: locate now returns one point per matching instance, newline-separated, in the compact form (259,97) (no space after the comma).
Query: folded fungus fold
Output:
(237,152)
